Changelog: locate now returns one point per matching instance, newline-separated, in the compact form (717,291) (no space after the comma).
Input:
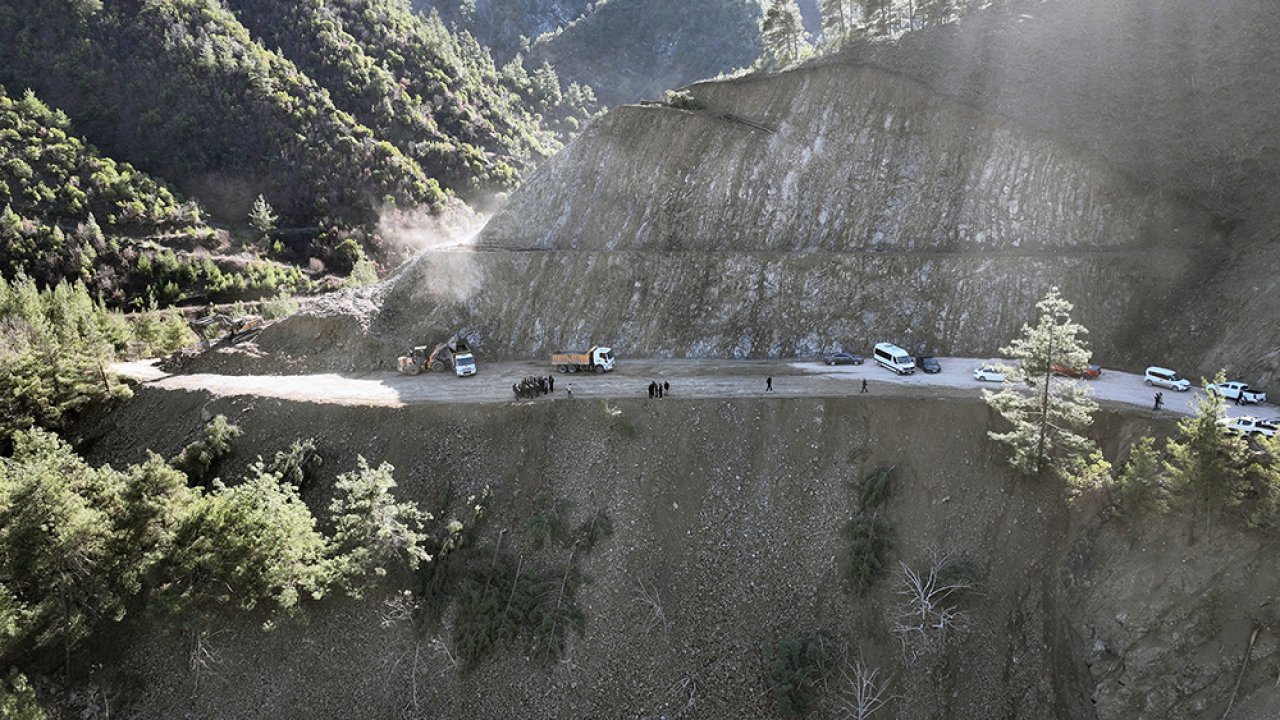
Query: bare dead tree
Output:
(927,616)
(397,609)
(203,657)
(685,692)
(865,692)
(648,598)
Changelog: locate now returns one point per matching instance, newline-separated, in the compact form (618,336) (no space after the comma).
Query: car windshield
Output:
(466,361)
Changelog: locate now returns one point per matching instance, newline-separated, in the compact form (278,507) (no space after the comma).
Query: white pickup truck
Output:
(1238,391)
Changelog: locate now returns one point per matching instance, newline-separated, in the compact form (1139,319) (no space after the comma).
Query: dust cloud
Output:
(442,264)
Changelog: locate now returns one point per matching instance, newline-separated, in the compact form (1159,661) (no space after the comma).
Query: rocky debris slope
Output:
(734,524)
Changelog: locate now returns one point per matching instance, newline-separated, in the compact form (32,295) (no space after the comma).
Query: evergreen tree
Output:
(1047,415)
(1206,460)
(251,544)
(876,14)
(782,32)
(935,12)
(262,219)
(373,530)
(835,20)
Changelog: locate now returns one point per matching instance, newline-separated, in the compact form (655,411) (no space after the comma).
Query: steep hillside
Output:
(635,49)
(627,50)
(828,206)
(727,535)
(144,80)
(437,97)
(66,212)
(332,109)
(1179,92)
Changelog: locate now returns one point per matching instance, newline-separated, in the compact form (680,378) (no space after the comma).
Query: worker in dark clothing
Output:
(1159,401)
(515,390)
(551,383)
(659,389)
(652,390)
(666,388)
(768,384)
(864,387)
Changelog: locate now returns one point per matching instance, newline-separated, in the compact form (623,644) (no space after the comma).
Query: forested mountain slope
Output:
(626,49)
(333,110)
(68,213)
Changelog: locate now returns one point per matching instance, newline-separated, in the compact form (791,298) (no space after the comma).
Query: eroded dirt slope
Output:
(730,512)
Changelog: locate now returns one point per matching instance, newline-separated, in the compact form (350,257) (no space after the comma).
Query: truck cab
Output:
(464,364)
(602,357)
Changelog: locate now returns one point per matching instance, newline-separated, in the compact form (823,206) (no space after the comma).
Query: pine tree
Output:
(935,12)
(262,218)
(782,32)
(1205,459)
(1047,415)
(876,14)
(835,20)
(372,529)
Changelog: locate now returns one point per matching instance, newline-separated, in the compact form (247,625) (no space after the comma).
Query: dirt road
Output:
(688,378)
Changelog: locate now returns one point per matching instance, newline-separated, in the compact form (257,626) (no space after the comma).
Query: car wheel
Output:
(1148,382)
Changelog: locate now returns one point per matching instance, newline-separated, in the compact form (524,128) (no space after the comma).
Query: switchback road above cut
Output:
(688,379)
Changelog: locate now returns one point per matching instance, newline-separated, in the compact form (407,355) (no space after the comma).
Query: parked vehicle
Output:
(1250,426)
(1253,427)
(929,364)
(453,353)
(987,373)
(1164,377)
(894,358)
(599,359)
(1090,372)
(1238,391)
(842,358)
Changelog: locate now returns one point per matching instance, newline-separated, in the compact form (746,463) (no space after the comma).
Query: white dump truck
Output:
(598,359)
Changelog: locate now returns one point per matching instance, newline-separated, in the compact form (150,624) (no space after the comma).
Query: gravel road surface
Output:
(688,378)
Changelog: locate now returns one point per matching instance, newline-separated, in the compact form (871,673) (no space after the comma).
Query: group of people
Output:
(533,386)
(657,390)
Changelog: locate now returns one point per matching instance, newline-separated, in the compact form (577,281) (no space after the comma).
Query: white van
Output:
(1164,377)
(894,358)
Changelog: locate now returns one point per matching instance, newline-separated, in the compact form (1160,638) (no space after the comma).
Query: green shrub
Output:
(870,539)
(199,459)
(793,666)
(546,524)
(682,100)
(875,489)
(298,465)
(592,530)
(18,700)
(364,272)
(281,305)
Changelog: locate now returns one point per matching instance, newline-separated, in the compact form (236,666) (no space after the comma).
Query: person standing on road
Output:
(651,390)
(1159,401)
(659,388)
(666,388)
(569,391)
(515,390)
(768,384)
(863,391)
(551,383)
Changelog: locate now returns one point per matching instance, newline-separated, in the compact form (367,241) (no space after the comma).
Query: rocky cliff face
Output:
(828,207)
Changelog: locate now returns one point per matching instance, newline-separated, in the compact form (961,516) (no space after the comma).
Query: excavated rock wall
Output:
(829,207)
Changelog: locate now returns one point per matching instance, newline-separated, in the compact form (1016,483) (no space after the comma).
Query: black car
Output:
(842,358)
(928,364)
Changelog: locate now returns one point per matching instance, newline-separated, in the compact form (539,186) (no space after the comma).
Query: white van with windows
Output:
(894,358)
(1164,377)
